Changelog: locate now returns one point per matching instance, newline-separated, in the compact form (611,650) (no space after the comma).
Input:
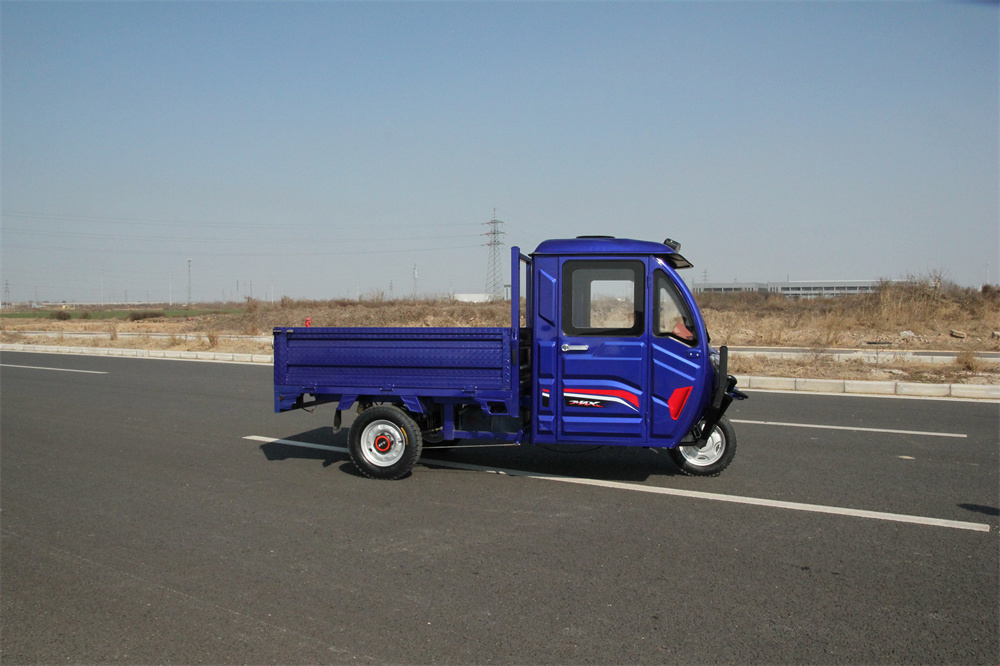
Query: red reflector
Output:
(677,401)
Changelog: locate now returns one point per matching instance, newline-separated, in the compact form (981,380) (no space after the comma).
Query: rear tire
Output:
(384,442)
(713,457)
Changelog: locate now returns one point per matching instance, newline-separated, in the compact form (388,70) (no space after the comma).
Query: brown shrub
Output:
(968,362)
(145,314)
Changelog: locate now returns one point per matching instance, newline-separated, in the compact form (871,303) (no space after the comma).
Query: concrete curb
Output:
(870,357)
(845,386)
(860,387)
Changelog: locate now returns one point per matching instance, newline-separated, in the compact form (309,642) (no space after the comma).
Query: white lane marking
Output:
(36,367)
(292,442)
(84,351)
(656,490)
(857,429)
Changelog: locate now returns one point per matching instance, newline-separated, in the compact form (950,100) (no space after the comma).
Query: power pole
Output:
(414,281)
(494,271)
(189,282)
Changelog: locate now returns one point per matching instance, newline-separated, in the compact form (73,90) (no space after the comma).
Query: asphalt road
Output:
(139,525)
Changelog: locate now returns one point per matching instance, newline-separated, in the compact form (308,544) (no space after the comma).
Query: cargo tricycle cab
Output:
(612,350)
(621,353)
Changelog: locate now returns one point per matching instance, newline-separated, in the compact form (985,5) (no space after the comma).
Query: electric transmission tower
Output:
(494,272)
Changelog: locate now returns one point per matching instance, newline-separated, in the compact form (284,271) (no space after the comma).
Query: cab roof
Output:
(608,245)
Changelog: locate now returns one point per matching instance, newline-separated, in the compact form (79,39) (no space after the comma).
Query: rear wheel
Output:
(384,442)
(711,458)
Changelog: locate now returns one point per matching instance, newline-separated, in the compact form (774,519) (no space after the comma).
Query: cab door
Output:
(601,352)
(679,354)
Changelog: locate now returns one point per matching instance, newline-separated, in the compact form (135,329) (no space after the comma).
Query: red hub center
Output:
(382,443)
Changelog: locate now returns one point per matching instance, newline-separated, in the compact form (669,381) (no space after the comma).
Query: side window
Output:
(672,317)
(603,298)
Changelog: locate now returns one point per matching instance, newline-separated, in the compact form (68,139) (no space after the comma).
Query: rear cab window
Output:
(603,298)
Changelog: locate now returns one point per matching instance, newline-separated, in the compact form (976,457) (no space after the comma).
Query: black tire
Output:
(710,459)
(384,442)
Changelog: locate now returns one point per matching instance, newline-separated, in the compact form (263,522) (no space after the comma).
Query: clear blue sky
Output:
(324,149)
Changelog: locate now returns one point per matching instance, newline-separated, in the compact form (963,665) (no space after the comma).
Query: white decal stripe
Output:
(607,398)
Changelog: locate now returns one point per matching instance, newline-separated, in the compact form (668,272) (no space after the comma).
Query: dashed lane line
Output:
(922,433)
(656,490)
(38,367)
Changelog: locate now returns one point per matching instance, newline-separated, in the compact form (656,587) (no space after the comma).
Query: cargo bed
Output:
(394,364)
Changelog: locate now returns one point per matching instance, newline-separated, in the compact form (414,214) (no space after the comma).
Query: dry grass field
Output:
(899,317)
(914,315)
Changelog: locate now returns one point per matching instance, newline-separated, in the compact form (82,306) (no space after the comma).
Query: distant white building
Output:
(472,298)
(481,298)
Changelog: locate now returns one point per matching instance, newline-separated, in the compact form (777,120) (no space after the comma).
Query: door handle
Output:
(567,347)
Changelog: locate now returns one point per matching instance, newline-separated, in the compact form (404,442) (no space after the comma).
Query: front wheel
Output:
(384,442)
(710,459)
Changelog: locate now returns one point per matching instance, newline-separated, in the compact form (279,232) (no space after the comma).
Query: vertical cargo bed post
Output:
(516,259)
(514,407)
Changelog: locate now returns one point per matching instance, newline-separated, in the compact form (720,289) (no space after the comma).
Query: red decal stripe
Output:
(630,398)
(677,401)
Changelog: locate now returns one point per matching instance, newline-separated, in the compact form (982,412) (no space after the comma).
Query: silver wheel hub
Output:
(382,443)
(709,454)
